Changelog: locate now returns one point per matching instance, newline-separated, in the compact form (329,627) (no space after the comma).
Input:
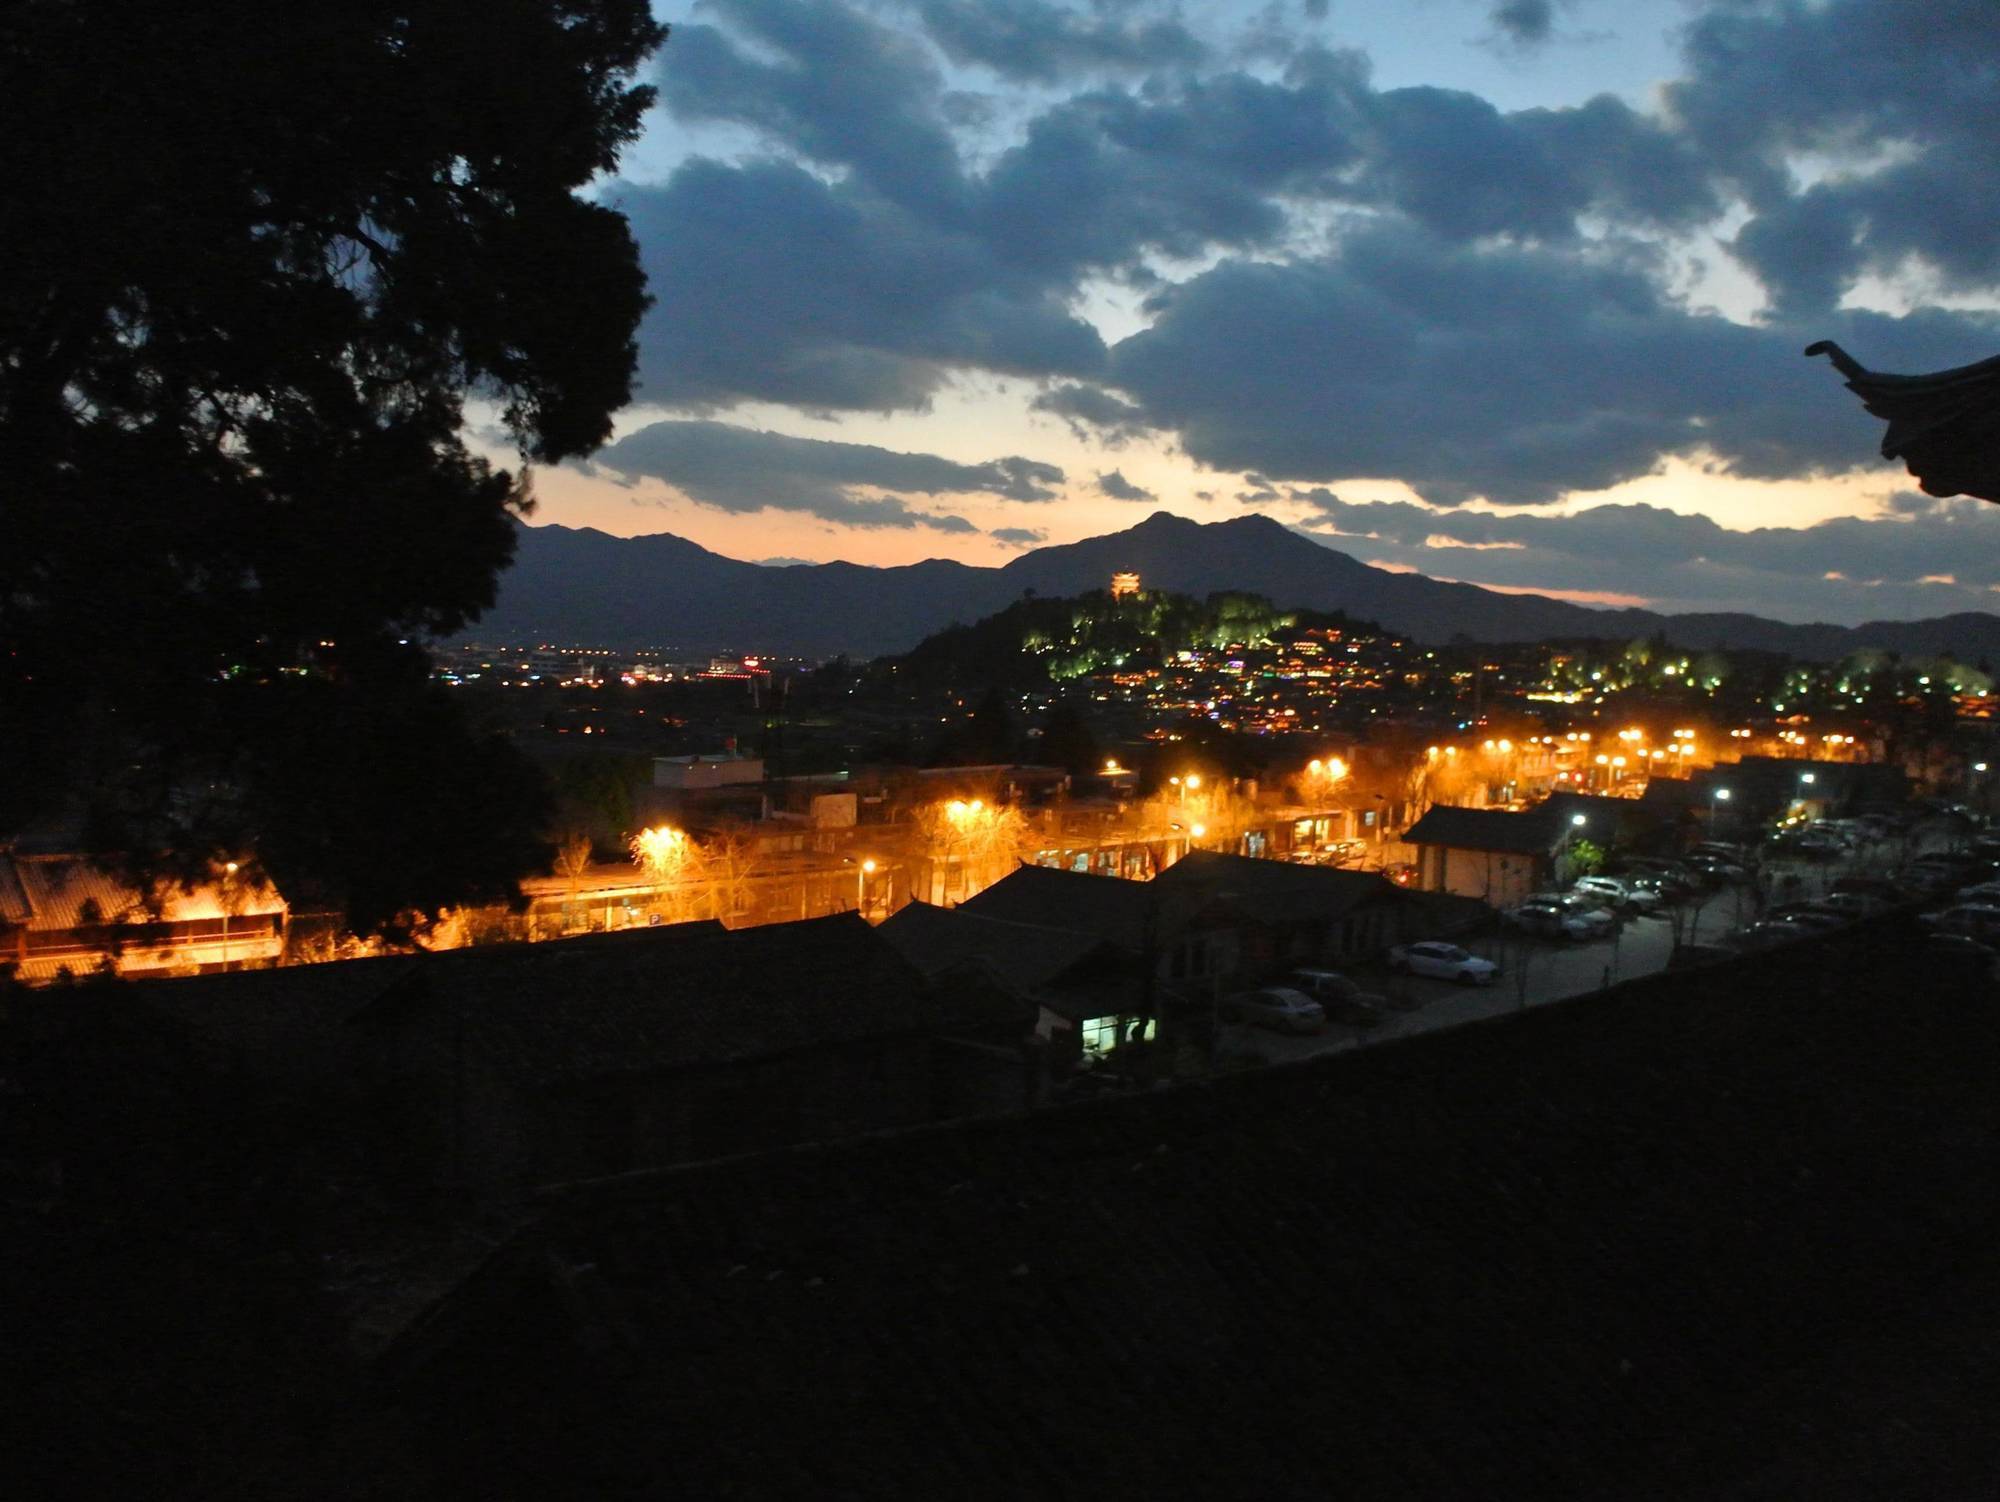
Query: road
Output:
(1538,972)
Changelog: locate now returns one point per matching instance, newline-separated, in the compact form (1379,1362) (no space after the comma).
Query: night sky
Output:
(1507,292)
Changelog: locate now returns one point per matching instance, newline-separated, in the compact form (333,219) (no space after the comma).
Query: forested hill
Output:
(1036,640)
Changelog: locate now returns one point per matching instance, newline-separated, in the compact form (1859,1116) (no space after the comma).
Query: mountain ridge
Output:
(585,586)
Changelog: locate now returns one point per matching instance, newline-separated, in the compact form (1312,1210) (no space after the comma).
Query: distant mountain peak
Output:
(582,585)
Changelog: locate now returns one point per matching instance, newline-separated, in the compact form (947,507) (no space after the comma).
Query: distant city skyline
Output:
(1510,293)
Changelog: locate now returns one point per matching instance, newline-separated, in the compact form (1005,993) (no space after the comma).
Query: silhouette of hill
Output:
(585,586)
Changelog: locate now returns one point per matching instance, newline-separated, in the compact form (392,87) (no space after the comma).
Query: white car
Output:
(1445,961)
(1611,892)
(1587,910)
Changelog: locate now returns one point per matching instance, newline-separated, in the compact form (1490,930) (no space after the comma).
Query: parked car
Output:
(1609,891)
(1663,889)
(1815,920)
(1880,887)
(1339,996)
(1275,1007)
(1673,878)
(1928,881)
(1975,920)
(1854,904)
(1599,919)
(1715,870)
(1736,855)
(1446,961)
(1548,919)
(1765,935)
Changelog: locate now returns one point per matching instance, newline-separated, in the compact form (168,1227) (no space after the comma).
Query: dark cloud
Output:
(1080,193)
(1513,373)
(1038,42)
(1493,318)
(1115,485)
(1018,537)
(743,469)
(1947,560)
(771,284)
(828,82)
(1093,414)
(1899,103)
(1524,23)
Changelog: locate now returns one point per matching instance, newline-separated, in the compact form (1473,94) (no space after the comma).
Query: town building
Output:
(1492,854)
(65,915)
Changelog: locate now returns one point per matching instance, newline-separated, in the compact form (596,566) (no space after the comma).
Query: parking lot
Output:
(1535,972)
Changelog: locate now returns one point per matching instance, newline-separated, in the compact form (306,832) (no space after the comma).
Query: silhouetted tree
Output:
(256,260)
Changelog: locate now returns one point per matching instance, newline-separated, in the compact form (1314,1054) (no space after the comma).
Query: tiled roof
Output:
(1558,1255)
(1028,956)
(565,1012)
(13,898)
(643,1001)
(1494,829)
(1108,907)
(55,888)
(1278,890)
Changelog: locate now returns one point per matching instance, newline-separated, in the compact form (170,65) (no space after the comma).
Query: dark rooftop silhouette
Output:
(1637,1246)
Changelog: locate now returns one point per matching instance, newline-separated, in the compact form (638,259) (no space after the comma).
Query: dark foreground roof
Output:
(648,1000)
(1029,956)
(1107,907)
(1279,890)
(1495,829)
(1726,1233)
